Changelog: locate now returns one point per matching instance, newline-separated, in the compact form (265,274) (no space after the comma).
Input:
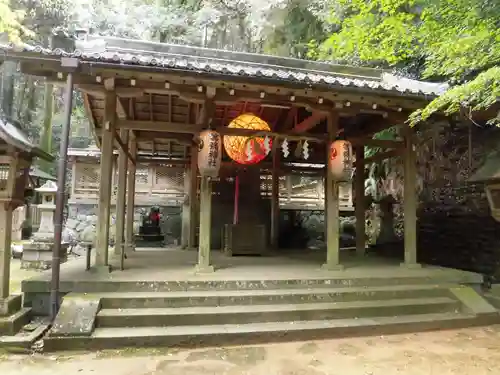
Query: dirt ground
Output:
(461,352)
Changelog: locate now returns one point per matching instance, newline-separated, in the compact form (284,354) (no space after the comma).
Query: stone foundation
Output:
(38,255)
(82,222)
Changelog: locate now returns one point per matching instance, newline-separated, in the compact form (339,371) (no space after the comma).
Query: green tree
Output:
(11,21)
(456,40)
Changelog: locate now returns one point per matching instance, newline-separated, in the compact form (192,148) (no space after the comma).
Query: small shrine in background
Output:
(16,156)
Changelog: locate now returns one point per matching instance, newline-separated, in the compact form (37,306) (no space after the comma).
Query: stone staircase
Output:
(14,316)
(242,312)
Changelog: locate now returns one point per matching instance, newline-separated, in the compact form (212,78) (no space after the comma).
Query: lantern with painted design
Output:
(248,150)
(341,160)
(209,153)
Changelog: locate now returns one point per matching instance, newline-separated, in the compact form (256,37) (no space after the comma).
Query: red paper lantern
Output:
(236,146)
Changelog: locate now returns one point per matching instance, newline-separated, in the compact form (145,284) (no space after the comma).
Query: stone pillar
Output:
(359,190)
(410,202)
(186,209)
(130,210)
(275,200)
(105,188)
(5,251)
(332,214)
(204,265)
(121,196)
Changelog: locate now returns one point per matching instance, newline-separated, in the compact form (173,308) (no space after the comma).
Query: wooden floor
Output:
(178,265)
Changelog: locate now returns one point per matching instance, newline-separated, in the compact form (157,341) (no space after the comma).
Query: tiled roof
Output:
(211,61)
(11,134)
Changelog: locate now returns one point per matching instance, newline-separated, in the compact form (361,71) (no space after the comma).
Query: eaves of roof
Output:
(224,65)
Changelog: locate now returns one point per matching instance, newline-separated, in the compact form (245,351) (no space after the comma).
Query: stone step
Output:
(244,334)
(267,296)
(351,279)
(10,325)
(244,314)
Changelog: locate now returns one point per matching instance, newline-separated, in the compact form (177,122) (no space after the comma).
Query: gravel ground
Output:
(461,352)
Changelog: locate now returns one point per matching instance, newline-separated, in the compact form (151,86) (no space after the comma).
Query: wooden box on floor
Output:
(244,239)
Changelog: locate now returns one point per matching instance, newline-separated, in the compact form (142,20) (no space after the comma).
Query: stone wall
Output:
(82,221)
(455,228)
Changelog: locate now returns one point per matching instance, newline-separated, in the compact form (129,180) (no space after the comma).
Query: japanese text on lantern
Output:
(347,157)
(213,151)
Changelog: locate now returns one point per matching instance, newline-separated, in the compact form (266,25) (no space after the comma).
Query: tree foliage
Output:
(11,21)
(456,40)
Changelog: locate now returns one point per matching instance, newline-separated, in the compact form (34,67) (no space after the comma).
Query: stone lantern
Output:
(37,253)
(47,208)
(16,155)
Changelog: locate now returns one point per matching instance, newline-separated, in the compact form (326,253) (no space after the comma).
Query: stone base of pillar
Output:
(101,269)
(332,267)
(129,247)
(38,255)
(10,305)
(410,266)
(203,269)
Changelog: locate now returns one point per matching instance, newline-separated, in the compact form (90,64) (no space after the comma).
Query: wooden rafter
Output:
(309,122)
(90,116)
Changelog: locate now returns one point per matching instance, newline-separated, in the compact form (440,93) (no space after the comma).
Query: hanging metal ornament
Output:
(305,150)
(267,144)
(248,150)
(284,148)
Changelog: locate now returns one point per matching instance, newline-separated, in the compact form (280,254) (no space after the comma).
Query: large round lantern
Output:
(247,150)
(341,160)
(209,153)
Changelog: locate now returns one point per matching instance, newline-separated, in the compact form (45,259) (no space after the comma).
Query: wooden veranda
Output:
(149,102)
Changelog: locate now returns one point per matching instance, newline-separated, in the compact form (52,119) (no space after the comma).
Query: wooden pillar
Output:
(359,190)
(204,265)
(105,188)
(130,210)
(186,209)
(193,198)
(275,199)
(5,251)
(410,201)
(332,218)
(121,195)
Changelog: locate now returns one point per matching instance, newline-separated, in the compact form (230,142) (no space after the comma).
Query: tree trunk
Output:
(9,70)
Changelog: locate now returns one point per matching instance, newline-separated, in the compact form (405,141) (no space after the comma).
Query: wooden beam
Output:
(309,122)
(190,94)
(99,91)
(343,94)
(382,143)
(121,112)
(123,146)
(182,128)
(90,116)
(382,156)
